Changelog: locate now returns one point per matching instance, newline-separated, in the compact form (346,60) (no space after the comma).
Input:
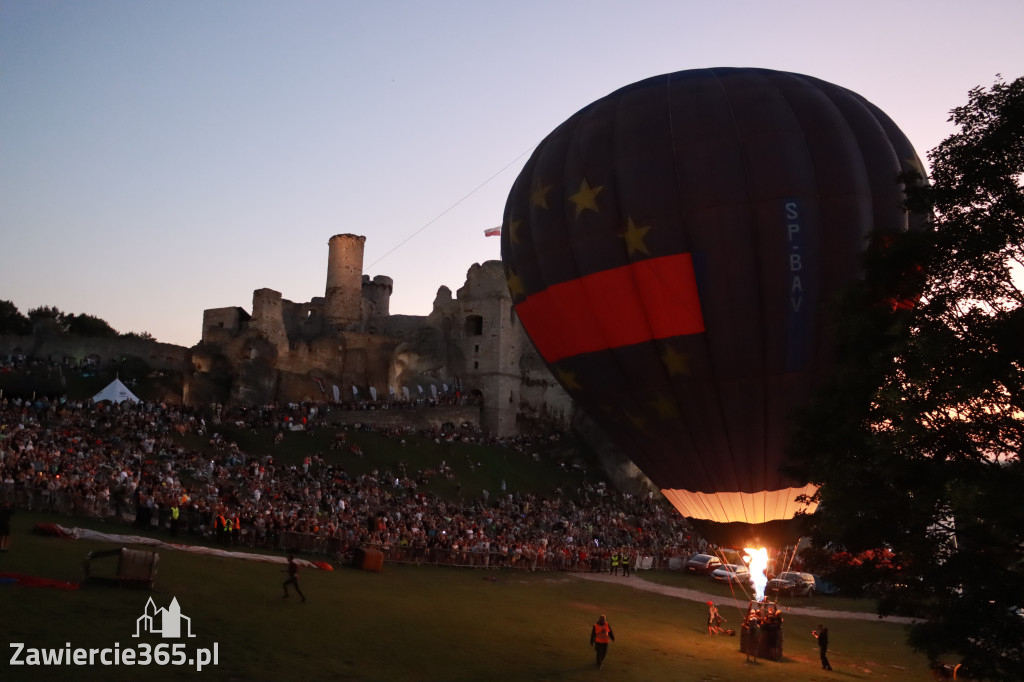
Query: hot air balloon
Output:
(673,251)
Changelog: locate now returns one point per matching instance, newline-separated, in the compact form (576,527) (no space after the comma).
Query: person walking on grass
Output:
(293,578)
(600,635)
(714,619)
(821,634)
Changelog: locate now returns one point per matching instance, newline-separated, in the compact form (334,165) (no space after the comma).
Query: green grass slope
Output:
(406,623)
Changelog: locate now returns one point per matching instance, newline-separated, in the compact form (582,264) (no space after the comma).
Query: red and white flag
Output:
(493,232)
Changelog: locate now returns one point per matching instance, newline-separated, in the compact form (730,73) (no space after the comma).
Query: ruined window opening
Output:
(476,364)
(474,325)
(476,348)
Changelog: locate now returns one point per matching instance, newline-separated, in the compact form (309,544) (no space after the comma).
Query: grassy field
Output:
(406,623)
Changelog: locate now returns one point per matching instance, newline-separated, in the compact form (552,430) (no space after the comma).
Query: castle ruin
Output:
(347,346)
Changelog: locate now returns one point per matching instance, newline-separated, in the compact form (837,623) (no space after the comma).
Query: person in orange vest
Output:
(600,635)
(220,527)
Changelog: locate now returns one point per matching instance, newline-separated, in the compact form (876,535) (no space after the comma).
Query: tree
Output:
(916,447)
(70,323)
(50,316)
(12,321)
(88,325)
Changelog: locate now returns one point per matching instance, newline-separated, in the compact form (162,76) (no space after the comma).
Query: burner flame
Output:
(757,563)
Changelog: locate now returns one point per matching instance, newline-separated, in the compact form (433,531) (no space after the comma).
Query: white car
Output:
(731,573)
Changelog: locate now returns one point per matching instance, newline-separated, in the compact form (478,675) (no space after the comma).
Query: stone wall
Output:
(223,322)
(58,347)
(421,418)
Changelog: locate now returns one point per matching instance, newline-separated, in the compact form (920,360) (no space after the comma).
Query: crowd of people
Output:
(127,463)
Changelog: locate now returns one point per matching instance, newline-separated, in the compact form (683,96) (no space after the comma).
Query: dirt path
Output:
(639,583)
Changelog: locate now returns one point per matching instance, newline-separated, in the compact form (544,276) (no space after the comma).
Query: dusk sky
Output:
(158,158)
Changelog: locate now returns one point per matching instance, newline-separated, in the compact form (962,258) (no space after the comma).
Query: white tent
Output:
(115,392)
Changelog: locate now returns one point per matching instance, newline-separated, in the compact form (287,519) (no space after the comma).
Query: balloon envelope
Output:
(673,250)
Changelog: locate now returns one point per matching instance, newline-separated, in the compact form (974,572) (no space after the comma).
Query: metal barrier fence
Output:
(534,561)
(199,525)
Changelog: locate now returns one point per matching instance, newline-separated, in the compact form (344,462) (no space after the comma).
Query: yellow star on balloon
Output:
(539,196)
(569,380)
(515,285)
(634,237)
(513,230)
(638,421)
(676,362)
(586,198)
(664,406)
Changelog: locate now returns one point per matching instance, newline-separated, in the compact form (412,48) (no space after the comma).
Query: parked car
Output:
(792,583)
(702,563)
(731,573)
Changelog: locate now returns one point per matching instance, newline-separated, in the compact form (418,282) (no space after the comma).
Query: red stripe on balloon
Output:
(650,299)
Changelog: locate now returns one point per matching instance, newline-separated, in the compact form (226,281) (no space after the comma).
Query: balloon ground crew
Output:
(600,635)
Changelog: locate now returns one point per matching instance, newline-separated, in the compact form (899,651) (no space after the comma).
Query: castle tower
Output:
(344,305)
(491,346)
(268,316)
(378,295)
